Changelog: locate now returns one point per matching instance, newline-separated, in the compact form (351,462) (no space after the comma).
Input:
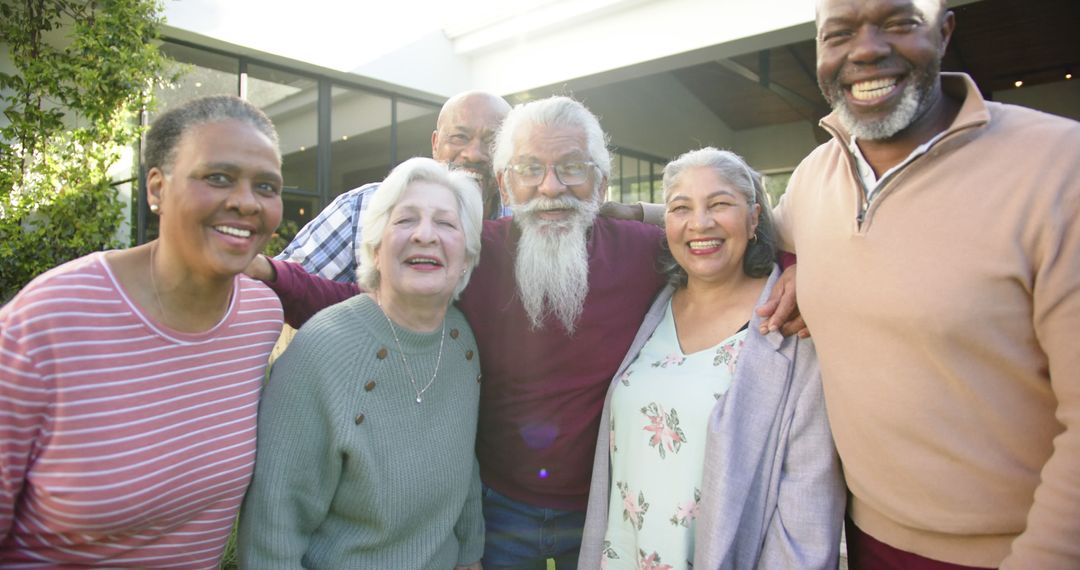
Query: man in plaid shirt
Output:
(467,123)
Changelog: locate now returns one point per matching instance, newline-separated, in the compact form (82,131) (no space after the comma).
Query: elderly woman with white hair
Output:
(367,427)
(714,449)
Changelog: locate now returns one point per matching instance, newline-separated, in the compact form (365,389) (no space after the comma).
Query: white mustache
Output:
(541,204)
(471,168)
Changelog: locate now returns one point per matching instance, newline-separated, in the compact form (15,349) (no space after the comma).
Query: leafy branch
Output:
(84,69)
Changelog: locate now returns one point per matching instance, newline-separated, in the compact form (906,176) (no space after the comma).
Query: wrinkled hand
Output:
(620,211)
(260,269)
(473,566)
(781,311)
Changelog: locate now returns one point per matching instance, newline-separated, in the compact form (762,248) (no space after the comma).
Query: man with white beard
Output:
(554,305)
(553,212)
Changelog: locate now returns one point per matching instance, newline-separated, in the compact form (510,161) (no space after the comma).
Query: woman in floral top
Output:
(714,450)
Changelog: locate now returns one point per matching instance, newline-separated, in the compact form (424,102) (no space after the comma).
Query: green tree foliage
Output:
(84,69)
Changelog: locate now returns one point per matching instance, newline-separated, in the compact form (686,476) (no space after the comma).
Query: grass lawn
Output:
(228,558)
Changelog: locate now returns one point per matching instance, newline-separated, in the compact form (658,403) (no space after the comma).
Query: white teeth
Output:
(228,230)
(464,170)
(420,261)
(705,244)
(865,90)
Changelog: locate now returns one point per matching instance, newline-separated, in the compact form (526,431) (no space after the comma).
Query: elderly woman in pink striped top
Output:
(131,378)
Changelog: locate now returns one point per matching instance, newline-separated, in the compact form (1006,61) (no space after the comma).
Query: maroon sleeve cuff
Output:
(786,259)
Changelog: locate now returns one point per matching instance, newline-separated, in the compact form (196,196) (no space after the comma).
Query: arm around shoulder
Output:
(303,294)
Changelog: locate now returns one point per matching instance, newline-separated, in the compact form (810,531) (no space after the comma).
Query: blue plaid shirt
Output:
(328,245)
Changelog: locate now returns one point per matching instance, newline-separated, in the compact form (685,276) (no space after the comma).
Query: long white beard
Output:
(552,265)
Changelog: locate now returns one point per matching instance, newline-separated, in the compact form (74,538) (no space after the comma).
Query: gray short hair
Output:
(557,111)
(159,146)
(377,214)
(761,252)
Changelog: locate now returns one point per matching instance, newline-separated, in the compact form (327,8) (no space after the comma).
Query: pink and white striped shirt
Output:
(123,442)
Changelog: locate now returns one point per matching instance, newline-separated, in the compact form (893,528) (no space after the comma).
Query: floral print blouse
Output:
(659,415)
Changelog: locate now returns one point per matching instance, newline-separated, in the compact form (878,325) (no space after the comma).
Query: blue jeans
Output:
(523,537)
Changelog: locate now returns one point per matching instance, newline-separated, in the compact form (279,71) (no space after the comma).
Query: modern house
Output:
(665,76)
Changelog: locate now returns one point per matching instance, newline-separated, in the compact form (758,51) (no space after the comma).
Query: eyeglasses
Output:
(567,173)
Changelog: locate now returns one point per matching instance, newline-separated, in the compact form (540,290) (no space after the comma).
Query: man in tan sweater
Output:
(938,240)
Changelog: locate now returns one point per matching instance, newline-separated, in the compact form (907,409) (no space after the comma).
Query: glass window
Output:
(657,183)
(360,138)
(291,102)
(631,180)
(635,179)
(297,210)
(200,72)
(362,148)
(614,192)
(415,124)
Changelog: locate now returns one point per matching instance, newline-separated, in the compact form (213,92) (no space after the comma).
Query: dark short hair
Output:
(159,145)
(760,253)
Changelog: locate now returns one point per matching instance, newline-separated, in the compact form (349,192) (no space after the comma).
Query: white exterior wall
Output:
(658,117)
(621,34)
(505,47)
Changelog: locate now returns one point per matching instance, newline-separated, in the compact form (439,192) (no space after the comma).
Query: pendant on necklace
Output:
(418,399)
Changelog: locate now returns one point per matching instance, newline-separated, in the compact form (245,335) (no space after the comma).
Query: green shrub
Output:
(281,238)
(84,70)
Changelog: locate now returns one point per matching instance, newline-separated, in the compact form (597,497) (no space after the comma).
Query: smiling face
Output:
(422,252)
(708,223)
(550,203)
(220,201)
(878,61)
(465,131)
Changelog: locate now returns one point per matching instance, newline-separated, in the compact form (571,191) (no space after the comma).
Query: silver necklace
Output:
(157,296)
(153,284)
(408,369)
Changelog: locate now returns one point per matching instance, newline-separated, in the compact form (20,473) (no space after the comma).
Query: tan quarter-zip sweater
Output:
(947,322)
